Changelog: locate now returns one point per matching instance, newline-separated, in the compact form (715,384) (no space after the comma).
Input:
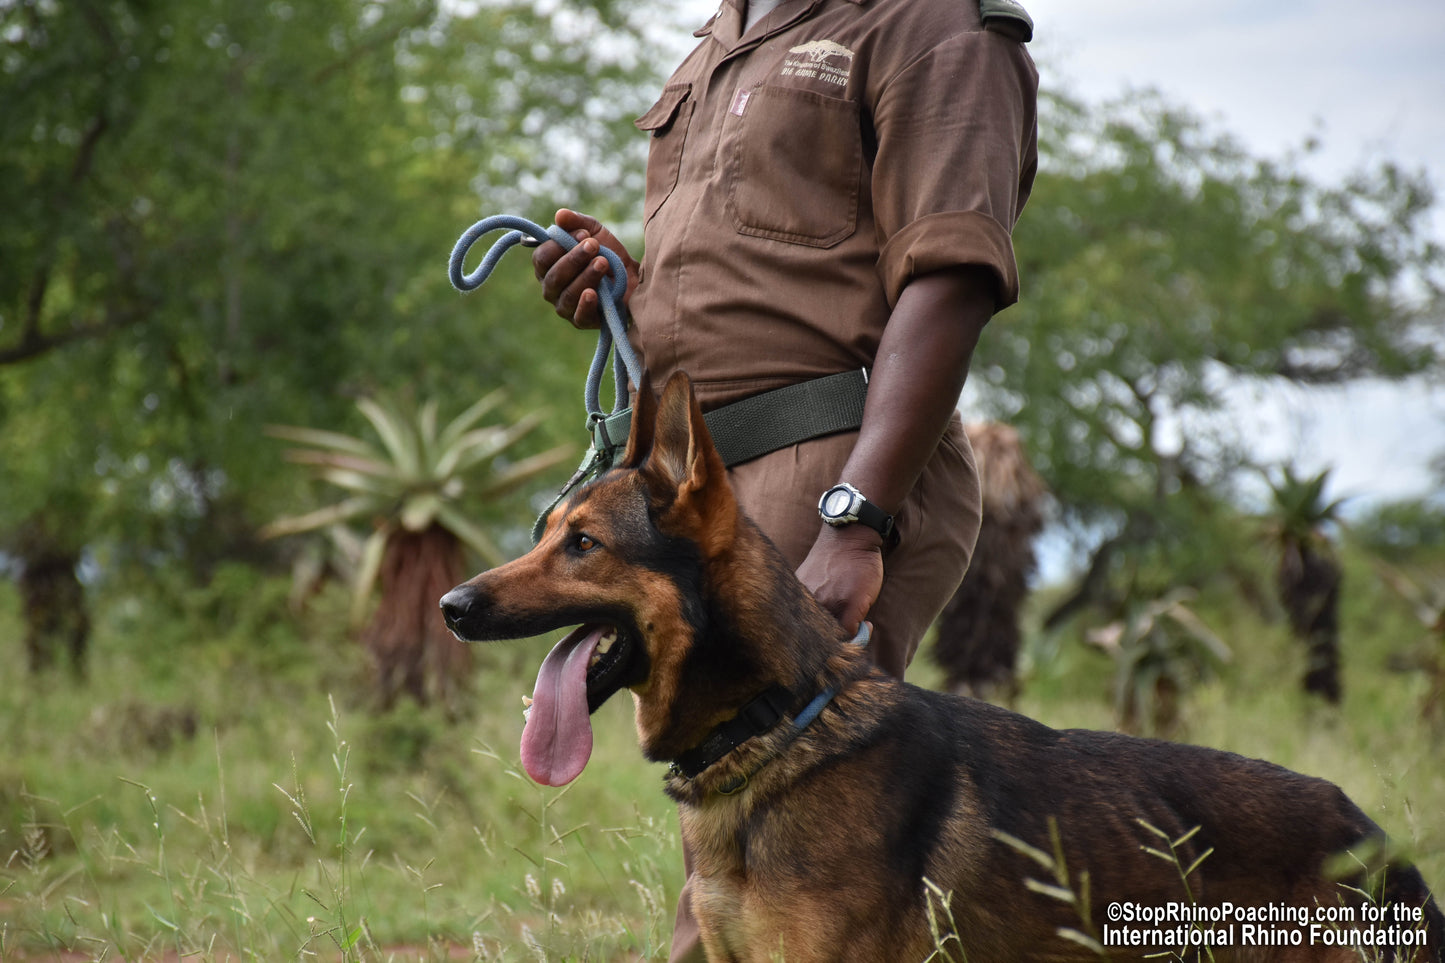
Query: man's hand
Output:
(569,279)
(844,571)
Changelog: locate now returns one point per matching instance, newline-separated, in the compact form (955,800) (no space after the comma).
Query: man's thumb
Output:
(572,221)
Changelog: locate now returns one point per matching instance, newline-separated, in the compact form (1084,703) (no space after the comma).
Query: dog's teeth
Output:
(604,645)
(526,702)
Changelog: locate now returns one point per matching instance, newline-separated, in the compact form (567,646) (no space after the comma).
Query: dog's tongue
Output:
(557,740)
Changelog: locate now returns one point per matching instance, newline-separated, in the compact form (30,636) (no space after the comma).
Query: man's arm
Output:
(913,389)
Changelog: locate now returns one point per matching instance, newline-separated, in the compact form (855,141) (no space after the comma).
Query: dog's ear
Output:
(682,450)
(639,435)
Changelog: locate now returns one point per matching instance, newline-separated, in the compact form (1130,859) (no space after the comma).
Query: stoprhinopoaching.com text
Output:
(1185,925)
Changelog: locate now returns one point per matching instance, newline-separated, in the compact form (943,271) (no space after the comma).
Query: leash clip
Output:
(597,428)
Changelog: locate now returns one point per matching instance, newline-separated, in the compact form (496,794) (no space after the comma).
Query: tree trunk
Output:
(1309,587)
(54,606)
(409,642)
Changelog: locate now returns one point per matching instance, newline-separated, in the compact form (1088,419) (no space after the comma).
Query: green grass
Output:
(211,798)
(1375,746)
(217,788)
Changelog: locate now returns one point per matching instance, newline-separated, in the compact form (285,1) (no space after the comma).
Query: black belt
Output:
(764,423)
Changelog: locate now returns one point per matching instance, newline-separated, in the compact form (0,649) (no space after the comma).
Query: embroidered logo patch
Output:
(824,60)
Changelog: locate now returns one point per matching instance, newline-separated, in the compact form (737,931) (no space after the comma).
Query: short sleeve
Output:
(957,135)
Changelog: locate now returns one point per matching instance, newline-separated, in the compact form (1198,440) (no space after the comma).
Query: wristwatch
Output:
(843,505)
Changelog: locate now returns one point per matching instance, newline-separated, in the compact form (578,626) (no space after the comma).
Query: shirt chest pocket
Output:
(667,121)
(795,165)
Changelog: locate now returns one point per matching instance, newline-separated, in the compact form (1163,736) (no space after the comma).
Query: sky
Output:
(1367,79)
(1364,80)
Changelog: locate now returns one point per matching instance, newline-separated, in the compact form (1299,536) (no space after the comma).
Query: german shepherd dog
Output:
(835,813)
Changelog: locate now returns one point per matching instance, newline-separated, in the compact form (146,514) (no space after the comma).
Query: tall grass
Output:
(218,788)
(1376,746)
(200,797)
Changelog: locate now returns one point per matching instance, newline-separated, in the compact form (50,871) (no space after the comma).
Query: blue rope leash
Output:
(613,334)
(813,709)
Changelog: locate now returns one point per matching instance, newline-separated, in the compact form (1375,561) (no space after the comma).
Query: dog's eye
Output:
(585,543)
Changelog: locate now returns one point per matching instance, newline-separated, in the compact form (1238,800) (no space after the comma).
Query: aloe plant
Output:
(410,483)
(1161,650)
(1308,577)
(1426,595)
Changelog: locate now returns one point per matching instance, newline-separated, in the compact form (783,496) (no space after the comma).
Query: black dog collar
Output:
(759,715)
(754,719)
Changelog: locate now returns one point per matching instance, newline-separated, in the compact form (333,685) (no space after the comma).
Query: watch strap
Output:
(877,519)
(860,510)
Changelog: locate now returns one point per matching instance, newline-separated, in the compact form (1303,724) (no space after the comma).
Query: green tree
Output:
(189,248)
(1163,265)
(229,214)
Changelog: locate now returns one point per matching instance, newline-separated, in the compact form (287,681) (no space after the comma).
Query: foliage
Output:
(1424,591)
(1163,267)
(1073,893)
(418,476)
(188,285)
(229,214)
(1299,512)
(1397,529)
(224,713)
(203,795)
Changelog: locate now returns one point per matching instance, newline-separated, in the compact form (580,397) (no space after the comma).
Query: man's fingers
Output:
(566,268)
(577,302)
(549,253)
(587,314)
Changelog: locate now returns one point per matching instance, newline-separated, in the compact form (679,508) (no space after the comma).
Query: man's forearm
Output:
(916,380)
(920,369)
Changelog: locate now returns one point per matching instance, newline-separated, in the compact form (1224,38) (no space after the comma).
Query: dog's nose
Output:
(455,605)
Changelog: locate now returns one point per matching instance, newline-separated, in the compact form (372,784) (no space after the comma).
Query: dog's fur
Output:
(823,852)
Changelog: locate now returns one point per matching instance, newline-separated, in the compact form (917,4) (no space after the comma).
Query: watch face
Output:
(837,502)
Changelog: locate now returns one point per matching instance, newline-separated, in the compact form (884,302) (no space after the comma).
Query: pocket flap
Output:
(664,112)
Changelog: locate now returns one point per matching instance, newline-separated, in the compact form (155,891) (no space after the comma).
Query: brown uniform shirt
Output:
(800,176)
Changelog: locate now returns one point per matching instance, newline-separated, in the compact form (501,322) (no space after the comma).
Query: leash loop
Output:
(612,337)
